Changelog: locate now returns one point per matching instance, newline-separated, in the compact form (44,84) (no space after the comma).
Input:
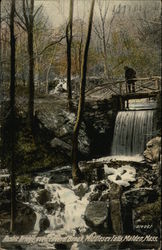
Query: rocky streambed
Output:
(117,197)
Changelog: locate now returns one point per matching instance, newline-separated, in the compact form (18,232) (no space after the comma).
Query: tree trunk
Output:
(31,78)
(69,42)
(75,60)
(105,61)
(28,12)
(1,78)
(76,173)
(80,55)
(12,108)
(107,73)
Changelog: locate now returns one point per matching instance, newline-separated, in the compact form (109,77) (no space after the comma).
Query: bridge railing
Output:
(147,84)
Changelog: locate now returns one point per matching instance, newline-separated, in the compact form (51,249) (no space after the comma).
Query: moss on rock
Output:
(32,150)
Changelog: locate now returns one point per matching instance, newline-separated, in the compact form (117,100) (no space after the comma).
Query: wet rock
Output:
(34,186)
(100,192)
(94,196)
(137,196)
(43,196)
(81,189)
(59,179)
(105,196)
(99,119)
(153,148)
(25,219)
(52,207)
(141,183)
(101,187)
(96,214)
(63,146)
(44,223)
(61,123)
(118,177)
(23,196)
(92,171)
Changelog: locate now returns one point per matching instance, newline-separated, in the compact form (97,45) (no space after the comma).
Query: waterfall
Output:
(133,129)
(67,208)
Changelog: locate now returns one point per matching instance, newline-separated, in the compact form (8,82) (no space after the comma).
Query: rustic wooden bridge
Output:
(148,87)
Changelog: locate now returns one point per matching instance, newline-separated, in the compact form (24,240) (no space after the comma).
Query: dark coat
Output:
(129,74)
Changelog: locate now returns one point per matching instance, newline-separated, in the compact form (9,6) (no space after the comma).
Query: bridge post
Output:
(157,85)
(122,103)
(126,87)
(127,103)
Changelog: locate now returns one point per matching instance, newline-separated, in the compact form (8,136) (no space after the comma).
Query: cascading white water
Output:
(72,215)
(133,129)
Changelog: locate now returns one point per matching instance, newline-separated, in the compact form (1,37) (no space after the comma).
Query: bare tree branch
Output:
(39,8)
(52,44)
(110,27)
(149,21)
(23,27)
(97,31)
(20,17)
(25,15)
(31,16)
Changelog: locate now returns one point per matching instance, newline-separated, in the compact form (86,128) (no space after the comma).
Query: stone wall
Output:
(99,117)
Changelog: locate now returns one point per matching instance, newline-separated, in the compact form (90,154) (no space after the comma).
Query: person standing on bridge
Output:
(130,74)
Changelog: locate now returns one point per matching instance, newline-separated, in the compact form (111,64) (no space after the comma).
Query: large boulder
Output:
(61,123)
(60,175)
(57,143)
(138,196)
(153,149)
(24,220)
(59,179)
(96,215)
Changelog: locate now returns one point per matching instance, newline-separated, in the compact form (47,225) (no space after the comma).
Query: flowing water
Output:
(64,220)
(133,129)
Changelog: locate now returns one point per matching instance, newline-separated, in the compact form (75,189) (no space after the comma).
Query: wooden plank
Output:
(137,95)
